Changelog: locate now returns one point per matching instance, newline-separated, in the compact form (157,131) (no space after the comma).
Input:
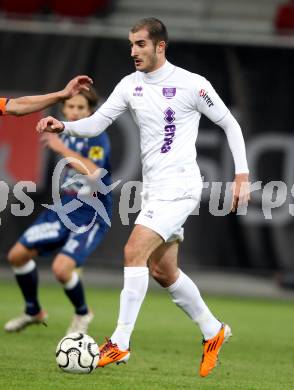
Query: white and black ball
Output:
(77,353)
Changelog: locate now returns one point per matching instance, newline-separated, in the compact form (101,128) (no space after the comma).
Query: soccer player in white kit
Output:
(166,103)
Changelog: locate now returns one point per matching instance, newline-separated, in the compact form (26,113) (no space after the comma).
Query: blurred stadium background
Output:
(235,45)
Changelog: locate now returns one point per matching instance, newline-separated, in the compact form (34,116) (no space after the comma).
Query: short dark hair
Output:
(156,29)
(91,96)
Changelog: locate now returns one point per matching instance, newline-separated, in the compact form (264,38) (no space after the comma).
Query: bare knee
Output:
(18,255)
(132,256)
(62,274)
(158,275)
(163,277)
(63,267)
(141,244)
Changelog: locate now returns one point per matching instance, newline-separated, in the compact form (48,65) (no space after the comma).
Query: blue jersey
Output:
(48,233)
(97,149)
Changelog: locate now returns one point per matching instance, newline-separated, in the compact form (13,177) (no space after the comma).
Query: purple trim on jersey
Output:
(169,130)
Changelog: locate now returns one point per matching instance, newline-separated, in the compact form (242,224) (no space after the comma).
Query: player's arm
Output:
(94,125)
(27,104)
(80,164)
(211,105)
(241,185)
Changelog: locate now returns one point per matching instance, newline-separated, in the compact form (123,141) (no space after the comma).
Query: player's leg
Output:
(73,254)
(43,236)
(64,269)
(25,271)
(154,225)
(142,242)
(163,266)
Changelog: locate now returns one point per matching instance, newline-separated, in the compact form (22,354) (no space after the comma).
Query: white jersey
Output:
(166,105)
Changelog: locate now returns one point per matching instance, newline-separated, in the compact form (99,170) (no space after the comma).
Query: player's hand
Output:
(241,190)
(49,125)
(52,141)
(76,85)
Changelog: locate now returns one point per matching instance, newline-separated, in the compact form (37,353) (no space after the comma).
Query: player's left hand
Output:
(52,141)
(241,190)
(76,85)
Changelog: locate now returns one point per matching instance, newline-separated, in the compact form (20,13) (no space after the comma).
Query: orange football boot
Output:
(211,348)
(110,353)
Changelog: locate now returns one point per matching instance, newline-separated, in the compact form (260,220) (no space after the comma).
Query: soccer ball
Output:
(77,353)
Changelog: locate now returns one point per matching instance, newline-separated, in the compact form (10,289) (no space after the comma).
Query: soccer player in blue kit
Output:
(49,234)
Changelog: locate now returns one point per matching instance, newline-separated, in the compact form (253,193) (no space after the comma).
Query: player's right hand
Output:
(49,125)
(76,85)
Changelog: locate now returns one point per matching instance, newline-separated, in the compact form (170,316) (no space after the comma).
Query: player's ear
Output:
(161,46)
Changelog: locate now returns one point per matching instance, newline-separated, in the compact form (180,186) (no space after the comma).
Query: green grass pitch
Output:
(166,347)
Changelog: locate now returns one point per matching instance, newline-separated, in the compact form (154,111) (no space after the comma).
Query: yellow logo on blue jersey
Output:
(96,153)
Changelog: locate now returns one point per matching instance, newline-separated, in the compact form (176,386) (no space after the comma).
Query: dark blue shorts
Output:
(48,234)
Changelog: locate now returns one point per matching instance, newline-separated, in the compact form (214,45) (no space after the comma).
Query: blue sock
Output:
(27,279)
(76,294)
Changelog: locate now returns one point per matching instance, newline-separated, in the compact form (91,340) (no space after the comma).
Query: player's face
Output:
(146,55)
(76,108)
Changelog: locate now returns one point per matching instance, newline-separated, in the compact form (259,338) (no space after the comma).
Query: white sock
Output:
(131,298)
(25,269)
(186,295)
(73,281)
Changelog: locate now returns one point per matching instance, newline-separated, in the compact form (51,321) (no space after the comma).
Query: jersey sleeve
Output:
(208,101)
(3,102)
(211,105)
(116,103)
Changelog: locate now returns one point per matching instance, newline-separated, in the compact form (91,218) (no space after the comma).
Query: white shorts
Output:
(166,216)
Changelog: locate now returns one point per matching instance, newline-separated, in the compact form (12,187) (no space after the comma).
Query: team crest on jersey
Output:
(138,91)
(169,92)
(96,153)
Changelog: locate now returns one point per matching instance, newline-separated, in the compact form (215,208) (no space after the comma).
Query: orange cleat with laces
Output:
(211,348)
(110,353)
